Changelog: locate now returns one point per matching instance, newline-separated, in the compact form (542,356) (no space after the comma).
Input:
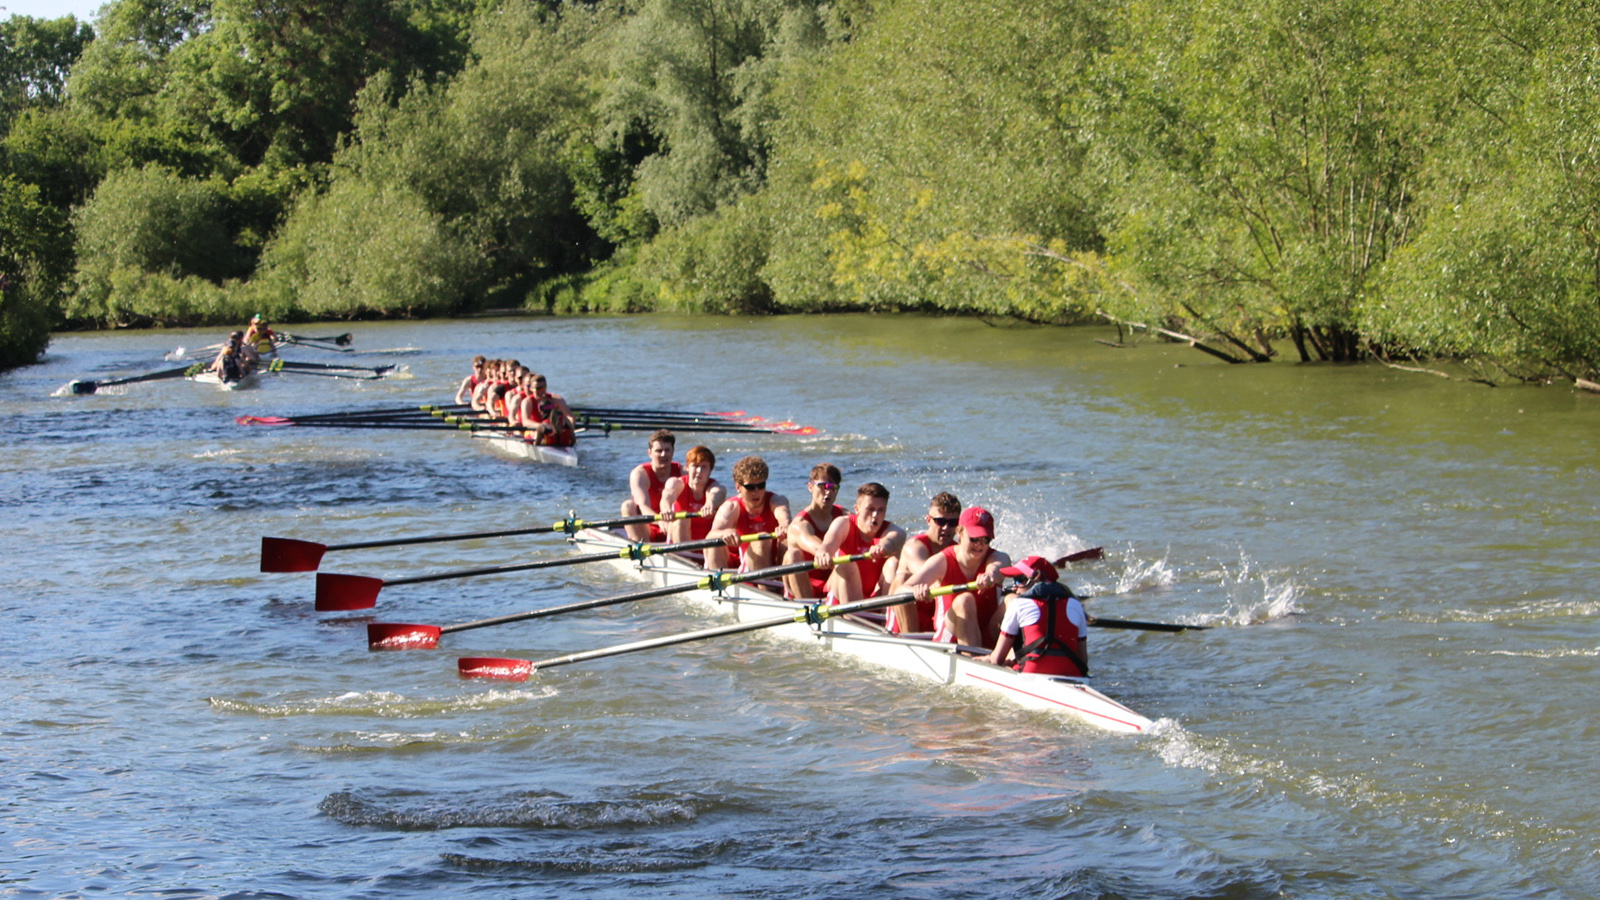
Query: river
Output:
(1398,570)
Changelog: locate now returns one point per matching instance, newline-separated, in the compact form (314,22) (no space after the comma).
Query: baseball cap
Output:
(1031,566)
(976,522)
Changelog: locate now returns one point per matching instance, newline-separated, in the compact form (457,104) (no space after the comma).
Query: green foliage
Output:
(712,264)
(149,221)
(31,271)
(35,57)
(917,166)
(359,248)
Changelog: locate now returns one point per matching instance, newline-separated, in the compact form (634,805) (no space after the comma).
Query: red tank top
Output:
(858,541)
(819,575)
(749,524)
(686,503)
(657,485)
(988,598)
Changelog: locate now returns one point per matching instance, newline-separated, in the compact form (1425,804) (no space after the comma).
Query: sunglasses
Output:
(825,485)
(944,521)
(755,486)
(979,540)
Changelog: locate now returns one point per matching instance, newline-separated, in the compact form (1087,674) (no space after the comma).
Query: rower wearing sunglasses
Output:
(752,510)
(944,513)
(806,532)
(970,618)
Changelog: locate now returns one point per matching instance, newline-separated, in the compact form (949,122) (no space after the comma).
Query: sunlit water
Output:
(1394,699)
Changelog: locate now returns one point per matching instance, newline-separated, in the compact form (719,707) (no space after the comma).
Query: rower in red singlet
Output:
(752,510)
(695,492)
(645,484)
(970,618)
(944,512)
(545,415)
(805,534)
(470,383)
(865,530)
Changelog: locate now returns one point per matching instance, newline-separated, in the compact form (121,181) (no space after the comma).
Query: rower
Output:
(1043,622)
(645,484)
(864,530)
(236,359)
(970,618)
(753,510)
(547,415)
(805,534)
(260,336)
(944,512)
(470,383)
(695,491)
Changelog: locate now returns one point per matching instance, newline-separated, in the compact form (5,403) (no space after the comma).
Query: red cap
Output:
(1033,565)
(976,522)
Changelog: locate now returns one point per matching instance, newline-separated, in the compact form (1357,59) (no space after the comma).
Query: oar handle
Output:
(814,614)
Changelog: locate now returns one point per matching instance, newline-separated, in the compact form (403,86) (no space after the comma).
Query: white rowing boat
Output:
(238,384)
(520,449)
(869,641)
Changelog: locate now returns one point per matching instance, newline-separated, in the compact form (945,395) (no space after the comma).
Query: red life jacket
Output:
(1050,645)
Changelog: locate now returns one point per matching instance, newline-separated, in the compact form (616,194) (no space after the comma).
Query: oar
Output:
(337,592)
(520,669)
(84,386)
(398,636)
(294,555)
(373,376)
(732,428)
(343,340)
(308,367)
(1081,555)
(1144,626)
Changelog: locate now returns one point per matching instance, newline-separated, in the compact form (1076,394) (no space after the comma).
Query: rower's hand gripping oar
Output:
(398,636)
(294,555)
(346,592)
(815,614)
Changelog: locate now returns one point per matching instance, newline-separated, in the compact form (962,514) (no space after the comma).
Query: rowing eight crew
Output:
(1043,627)
(506,390)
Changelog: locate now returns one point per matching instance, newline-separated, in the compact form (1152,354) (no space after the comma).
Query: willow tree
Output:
(1505,269)
(920,165)
(1264,158)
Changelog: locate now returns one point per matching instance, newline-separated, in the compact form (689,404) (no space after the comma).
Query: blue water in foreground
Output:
(1390,704)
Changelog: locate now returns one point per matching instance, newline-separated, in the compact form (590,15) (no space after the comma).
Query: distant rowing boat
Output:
(238,384)
(867,640)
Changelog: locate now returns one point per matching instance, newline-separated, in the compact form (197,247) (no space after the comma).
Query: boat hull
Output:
(520,449)
(212,378)
(866,640)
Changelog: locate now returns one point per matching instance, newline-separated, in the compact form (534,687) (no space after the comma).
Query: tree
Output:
(31,272)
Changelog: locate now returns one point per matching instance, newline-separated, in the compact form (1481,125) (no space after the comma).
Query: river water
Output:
(1399,571)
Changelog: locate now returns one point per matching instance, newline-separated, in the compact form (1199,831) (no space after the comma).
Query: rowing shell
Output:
(869,641)
(521,449)
(248,381)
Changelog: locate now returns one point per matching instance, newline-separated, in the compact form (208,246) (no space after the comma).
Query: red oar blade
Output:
(290,555)
(494,667)
(1081,555)
(341,592)
(262,420)
(397,636)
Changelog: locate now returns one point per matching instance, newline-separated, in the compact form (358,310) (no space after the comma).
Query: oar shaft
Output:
(632,551)
(814,613)
(710,582)
(566,526)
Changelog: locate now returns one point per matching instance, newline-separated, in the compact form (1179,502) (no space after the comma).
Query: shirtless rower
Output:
(695,491)
(1043,622)
(806,531)
(970,618)
(752,510)
(471,382)
(864,530)
(944,512)
(645,484)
